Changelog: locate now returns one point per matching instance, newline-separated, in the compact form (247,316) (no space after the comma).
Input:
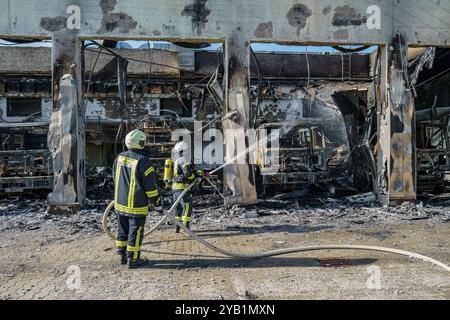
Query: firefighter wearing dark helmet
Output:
(134,189)
(183,175)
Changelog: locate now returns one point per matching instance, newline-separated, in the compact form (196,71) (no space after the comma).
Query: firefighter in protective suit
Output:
(134,190)
(183,175)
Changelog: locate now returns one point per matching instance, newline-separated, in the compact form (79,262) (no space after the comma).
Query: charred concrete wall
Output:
(307,20)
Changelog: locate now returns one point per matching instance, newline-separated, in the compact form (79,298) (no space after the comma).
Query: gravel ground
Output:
(38,250)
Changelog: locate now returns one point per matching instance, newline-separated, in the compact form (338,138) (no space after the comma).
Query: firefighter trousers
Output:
(130,235)
(183,211)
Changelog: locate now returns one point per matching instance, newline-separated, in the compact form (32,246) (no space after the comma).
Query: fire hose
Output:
(169,215)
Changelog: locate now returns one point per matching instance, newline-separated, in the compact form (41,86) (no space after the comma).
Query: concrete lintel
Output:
(422,22)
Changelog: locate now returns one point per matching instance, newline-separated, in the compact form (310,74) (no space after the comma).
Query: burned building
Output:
(378,100)
(161,94)
(322,104)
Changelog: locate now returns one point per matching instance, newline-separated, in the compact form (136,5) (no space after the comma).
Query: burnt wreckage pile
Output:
(323,106)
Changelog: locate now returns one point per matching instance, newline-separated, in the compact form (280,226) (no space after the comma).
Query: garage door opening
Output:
(429,70)
(322,99)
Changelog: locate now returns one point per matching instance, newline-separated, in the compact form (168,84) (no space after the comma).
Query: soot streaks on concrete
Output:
(347,16)
(115,21)
(298,16)
(199,14)
(264,30)
(53,24)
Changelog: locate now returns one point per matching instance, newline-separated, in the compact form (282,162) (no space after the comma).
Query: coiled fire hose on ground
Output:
(169,215)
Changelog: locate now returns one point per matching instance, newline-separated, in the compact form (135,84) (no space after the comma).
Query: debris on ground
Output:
(22,214)
(365,198)
(32,214)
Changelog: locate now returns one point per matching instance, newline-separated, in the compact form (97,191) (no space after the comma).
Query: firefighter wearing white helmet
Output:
(134,189)
(135,140)
(183,175)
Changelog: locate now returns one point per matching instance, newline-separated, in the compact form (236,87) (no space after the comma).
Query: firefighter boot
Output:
(123,258)
(134,264)
(131,264)
(177,228)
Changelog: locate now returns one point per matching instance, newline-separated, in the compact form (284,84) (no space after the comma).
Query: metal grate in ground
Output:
(335,262)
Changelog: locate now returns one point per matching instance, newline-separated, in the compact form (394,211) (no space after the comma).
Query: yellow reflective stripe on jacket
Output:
(153,193)
(132,187)
(175,167)
(179,186)
(127,161)
(132,164)
(191,177)
(124,209)
(149,170)
(116,180)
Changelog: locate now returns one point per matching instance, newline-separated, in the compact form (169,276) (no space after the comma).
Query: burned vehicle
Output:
(298,160)
(433,150)
(25,163)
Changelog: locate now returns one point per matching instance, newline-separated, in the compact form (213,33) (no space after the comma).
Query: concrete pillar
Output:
(397,159)
(403,167)
(66,138)
(239,176)
(384,128)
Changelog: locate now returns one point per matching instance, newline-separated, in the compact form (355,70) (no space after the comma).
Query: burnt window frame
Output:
(37,111)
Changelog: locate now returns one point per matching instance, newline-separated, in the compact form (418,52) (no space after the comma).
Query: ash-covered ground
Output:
(38,248)
(18,214)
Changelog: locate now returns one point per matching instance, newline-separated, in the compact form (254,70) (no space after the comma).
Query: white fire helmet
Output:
(135,140)
(181,146)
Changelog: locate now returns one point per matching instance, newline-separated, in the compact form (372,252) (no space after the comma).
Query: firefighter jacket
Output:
(134,184)
(183,174)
